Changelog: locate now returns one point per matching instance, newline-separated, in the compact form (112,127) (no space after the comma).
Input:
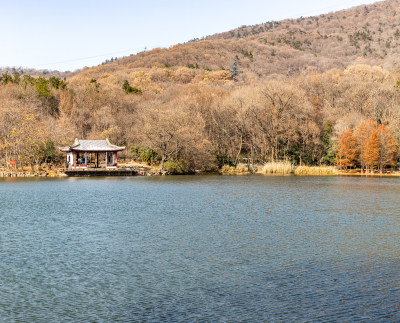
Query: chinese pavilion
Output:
(86,153)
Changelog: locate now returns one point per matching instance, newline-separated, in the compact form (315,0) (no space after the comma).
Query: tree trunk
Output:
(252,156)
(162,162)
(240,150)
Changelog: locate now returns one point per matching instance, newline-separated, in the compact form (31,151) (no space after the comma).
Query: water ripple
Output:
(199,248)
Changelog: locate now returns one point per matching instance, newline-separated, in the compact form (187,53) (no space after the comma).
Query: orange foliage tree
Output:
(362,134)
(388,147)
(346,152)
(372,150)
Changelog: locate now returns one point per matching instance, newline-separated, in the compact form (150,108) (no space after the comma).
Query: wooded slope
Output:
(361,35)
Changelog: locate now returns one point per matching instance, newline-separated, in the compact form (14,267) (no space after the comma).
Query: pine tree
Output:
(329,151)
(126,86)
(233,70)
(129,89)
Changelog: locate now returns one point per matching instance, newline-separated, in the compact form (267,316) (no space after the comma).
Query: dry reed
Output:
(277,168)
(284,168)
(239,169)
(316,170)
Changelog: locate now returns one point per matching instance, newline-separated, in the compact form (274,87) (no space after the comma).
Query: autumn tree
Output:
(176,135)
(284,126)
(372,150)
(28,140)
(388,147)
(362,134)
(346,152)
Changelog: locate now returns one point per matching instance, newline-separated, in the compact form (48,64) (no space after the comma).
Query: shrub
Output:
(129,89)
(42,88)
(144,153)
(57,83)
(175,167)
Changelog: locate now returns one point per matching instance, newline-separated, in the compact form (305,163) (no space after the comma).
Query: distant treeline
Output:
(35,72)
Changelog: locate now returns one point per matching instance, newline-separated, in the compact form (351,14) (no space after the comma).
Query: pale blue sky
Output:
(67,35)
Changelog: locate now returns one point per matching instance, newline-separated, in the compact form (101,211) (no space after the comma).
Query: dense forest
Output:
(227,99)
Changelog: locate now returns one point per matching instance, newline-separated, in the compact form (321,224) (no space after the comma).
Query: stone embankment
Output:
(31,173)
(137,170)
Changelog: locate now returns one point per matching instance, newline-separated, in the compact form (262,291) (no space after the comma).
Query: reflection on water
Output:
(211,248)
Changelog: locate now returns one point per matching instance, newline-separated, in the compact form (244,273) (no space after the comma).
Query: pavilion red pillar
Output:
(115,158)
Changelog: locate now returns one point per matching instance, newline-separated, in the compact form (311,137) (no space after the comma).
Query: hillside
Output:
(361,35)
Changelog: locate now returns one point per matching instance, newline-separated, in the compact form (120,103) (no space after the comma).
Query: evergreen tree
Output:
(233,70)
(129,89)
(17,78)
(126,86)
(6,78)
(329,151)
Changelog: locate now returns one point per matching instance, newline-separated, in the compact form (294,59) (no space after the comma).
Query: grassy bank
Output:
(240,169)
(279,168)
(286,168)
(316,170)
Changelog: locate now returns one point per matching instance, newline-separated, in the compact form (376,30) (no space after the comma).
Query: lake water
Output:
(200,248)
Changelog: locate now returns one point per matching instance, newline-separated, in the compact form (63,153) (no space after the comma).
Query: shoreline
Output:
(132,172)
(138,169)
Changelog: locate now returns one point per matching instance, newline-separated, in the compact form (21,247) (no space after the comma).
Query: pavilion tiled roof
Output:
(93,145)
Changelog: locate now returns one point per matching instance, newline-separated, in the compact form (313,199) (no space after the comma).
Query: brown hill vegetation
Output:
(361,35)
(298,86)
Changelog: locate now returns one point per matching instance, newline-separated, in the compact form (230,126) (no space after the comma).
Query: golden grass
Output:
(239,169)
(284,168)
(316,170)
(277,168)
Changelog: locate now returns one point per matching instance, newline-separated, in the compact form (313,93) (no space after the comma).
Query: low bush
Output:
(175,167)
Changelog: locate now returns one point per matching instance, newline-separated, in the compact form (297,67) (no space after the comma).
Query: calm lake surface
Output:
(200,248)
